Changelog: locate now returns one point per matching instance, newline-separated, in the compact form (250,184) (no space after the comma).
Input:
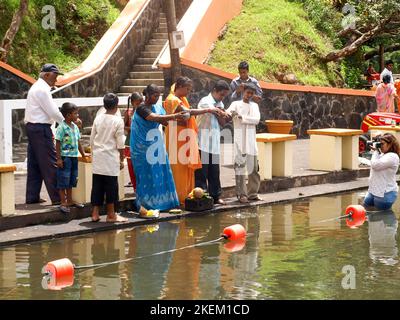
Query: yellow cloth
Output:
(182,147)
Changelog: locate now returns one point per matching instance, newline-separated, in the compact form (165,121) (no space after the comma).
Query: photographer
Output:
(382,191)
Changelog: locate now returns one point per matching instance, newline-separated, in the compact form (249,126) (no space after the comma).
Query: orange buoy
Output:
(355,211)
(59,268)
(234,232)
(235,245)
(355,222)
(50,282)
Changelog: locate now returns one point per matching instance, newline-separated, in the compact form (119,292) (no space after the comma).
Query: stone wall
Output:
(307,110)
(116,70)
(12,86)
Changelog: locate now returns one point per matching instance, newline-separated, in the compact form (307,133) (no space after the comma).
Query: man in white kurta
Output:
(246,116)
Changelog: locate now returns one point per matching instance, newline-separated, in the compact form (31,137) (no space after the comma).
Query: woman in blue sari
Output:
(155,184)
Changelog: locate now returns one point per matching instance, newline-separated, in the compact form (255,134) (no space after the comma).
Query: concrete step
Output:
(154,47)
(157,42)
(163,15)
(143,82)
(145,60)
(146,75)
(157,35)
(163,25)
(142,67)
(130,89)
(150,54)
(162,29)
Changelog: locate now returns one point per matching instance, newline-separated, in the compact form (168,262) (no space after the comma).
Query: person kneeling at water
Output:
(383,188)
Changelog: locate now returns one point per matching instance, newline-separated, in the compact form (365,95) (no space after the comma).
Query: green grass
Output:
(275,36)
(79,26)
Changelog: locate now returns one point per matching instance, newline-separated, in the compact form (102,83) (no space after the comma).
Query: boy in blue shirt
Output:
(67,146)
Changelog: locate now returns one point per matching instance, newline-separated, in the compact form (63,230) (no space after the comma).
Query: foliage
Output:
(79,26)
(324,17)
(275,36)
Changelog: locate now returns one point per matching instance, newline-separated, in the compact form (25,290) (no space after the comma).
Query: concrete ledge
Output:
(48,215)
(85,226)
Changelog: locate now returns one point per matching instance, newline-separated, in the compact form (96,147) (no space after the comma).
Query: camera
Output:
(375,142)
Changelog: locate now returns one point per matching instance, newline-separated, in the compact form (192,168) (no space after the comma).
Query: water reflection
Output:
(382,231)
(288,254)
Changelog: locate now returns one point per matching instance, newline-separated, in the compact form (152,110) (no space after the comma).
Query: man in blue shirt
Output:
(237,84)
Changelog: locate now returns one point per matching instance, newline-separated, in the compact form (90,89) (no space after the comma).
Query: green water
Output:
(289,254)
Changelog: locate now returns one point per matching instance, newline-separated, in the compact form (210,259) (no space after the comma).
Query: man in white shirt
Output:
(209,134)
(246,115)
(40,113)
(388,70)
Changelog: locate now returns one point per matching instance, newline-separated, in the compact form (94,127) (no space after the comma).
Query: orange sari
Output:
(182,147)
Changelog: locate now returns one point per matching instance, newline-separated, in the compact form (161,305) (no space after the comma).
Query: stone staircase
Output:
(142,74)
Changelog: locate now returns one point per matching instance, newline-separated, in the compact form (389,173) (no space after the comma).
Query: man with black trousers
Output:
(209,135)
(40,113)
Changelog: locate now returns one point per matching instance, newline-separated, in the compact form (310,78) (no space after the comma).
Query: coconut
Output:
(198,193)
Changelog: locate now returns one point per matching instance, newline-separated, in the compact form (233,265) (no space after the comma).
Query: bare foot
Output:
(243,199)
(95,217)
(116,218)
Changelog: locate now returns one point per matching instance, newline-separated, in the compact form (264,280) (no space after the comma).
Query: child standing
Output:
(135,99)
(246,115)
(67,146)
(107,143)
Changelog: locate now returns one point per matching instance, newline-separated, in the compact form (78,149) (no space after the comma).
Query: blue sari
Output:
(155,184)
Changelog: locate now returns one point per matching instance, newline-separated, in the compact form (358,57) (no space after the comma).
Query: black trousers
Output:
(104,186)
(42,160)
(207,177)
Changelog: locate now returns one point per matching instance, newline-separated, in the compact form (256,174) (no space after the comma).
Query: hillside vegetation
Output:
(276,36)
(79,26)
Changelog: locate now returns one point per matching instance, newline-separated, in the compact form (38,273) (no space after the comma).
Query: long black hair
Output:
(133,97)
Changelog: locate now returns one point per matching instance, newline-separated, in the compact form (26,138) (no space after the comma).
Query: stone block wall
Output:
(12,86)
(116,70)
(308,110)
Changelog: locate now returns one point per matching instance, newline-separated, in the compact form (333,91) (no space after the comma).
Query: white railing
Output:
(7,106)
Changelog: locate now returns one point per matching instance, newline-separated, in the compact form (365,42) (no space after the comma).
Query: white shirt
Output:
(244,136)
(382,177)
(40,106)
(106,139)
(387,72)
(209,129)
(103,110)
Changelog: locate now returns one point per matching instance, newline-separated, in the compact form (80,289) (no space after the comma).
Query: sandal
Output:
(256,198)
(65,209)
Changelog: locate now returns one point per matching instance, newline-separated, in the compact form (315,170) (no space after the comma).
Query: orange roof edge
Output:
(280,86)
(17,72)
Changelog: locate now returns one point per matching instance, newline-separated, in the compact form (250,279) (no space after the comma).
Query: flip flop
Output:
(118,218)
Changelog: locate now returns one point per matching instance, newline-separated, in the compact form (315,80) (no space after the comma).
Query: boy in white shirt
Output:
(246,115)
(108,143)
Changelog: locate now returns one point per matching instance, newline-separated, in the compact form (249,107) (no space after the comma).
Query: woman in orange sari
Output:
(181,138)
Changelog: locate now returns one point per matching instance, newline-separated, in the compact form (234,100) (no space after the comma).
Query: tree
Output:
(371,19)
(13,29)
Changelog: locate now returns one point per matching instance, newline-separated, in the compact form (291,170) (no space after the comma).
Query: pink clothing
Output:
(384,95)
